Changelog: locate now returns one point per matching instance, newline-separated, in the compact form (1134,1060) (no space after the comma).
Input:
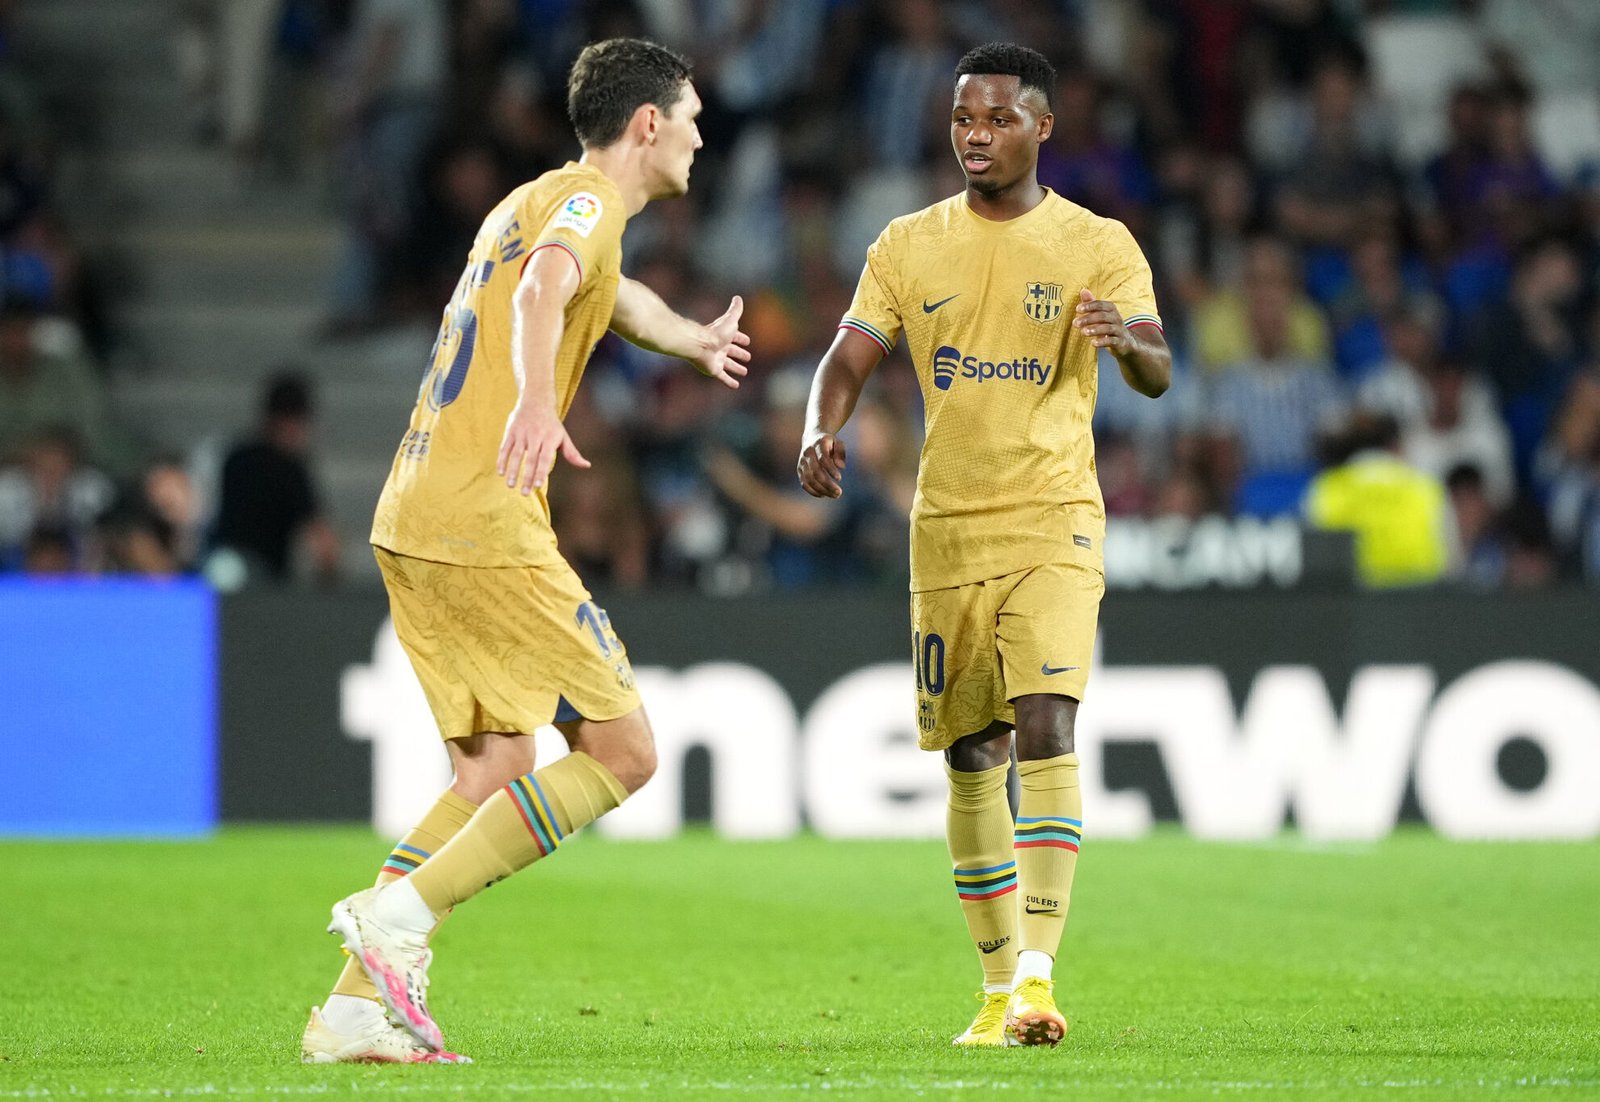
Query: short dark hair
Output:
(613,79)
(287,394)
(1007,59)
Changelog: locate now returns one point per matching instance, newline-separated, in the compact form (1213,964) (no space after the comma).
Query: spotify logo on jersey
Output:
(948,361)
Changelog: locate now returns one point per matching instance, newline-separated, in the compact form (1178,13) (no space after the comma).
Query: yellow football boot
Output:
(988,1029)
(1031,1014)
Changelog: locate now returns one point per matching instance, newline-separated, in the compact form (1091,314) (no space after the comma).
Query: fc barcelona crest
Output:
(1043,301)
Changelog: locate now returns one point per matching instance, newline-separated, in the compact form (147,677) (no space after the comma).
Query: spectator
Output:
(53,491)
(1529,345)
(1339,181)
(1272,404)
(1573,459)
(1399,514)
(49,553)
(1447,415)
(42,388)
(1223,326)
(1481,548)
(1530,550)
(169,491)
(389,107)
(598,513)
(1380,283)
(134,539)
(268,505)
(1085,164)
(909,77)
(800,540)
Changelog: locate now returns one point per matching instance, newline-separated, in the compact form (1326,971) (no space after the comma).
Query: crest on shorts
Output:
(925,718)
(1043,301)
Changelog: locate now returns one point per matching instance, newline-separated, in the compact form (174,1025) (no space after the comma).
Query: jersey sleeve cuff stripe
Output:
(564,247)
(1144,319)
(868,331)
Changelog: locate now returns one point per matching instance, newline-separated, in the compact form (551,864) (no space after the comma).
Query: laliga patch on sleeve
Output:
(581,213)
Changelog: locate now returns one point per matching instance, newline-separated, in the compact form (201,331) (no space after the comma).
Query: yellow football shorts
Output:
(506,648)
(978,647)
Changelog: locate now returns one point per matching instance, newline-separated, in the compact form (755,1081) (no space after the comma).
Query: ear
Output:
(1047,124)
(646,123)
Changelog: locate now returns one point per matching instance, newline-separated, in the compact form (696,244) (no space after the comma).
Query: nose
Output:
(979,135)
(698,141)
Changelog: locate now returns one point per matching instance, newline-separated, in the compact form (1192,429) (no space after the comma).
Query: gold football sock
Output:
(524,821)
(425,839)
(978,827)
(1049,827)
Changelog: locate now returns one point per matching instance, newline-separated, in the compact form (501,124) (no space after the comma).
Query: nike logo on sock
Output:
(1049,670)
(1031,909)
(927,309)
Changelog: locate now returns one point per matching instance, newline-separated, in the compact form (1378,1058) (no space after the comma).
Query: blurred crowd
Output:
(1374,224)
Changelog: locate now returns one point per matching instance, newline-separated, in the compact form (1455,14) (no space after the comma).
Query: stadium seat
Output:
(1272,493)
(1416,61)
(1566,131)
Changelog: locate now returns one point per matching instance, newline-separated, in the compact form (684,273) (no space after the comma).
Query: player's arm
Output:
(718,350)
(1141,349)
(534,434)
(834,392)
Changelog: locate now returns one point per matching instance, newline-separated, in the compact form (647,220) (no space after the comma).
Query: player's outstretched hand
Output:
(532,441)
(821,466)
(1101,322)
(727,348)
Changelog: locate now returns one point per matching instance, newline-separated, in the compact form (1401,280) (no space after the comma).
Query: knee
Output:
(644,765)
(631,760)
(1045,726)
(632,763)
(980,752)
(484,764)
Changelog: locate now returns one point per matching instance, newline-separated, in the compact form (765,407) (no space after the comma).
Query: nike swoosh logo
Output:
(1048,671)
(991,949)
(1031,909)
(927,309)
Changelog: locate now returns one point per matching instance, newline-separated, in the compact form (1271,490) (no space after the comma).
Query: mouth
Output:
(976,163)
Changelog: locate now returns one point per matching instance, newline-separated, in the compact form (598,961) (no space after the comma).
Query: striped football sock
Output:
(437,827)
(978,827)
(524,821)
(1049,829)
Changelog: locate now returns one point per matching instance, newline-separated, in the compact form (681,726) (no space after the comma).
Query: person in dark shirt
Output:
(268,499)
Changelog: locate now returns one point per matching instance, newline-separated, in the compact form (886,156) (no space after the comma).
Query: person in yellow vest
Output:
(1400,515)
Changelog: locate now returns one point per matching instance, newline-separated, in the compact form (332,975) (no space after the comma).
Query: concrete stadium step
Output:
(199,267)
(185,338)
(356,422)
(191,187)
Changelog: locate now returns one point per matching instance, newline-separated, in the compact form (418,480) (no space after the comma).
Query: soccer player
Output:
(1004,293)
(502,634)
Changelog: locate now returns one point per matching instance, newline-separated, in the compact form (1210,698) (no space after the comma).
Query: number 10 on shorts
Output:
(928,658)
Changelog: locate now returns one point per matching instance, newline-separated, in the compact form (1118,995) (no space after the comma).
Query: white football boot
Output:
(377,1041)
(377,927)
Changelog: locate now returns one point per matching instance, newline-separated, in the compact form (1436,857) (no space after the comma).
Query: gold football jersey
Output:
(1007,476)
(443,500)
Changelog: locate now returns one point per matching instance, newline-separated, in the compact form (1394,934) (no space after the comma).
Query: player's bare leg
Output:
(626,746)
(1049,827)
(528,818)
(978,828)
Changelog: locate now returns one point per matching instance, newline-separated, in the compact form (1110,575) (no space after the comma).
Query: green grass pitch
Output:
(696,968)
